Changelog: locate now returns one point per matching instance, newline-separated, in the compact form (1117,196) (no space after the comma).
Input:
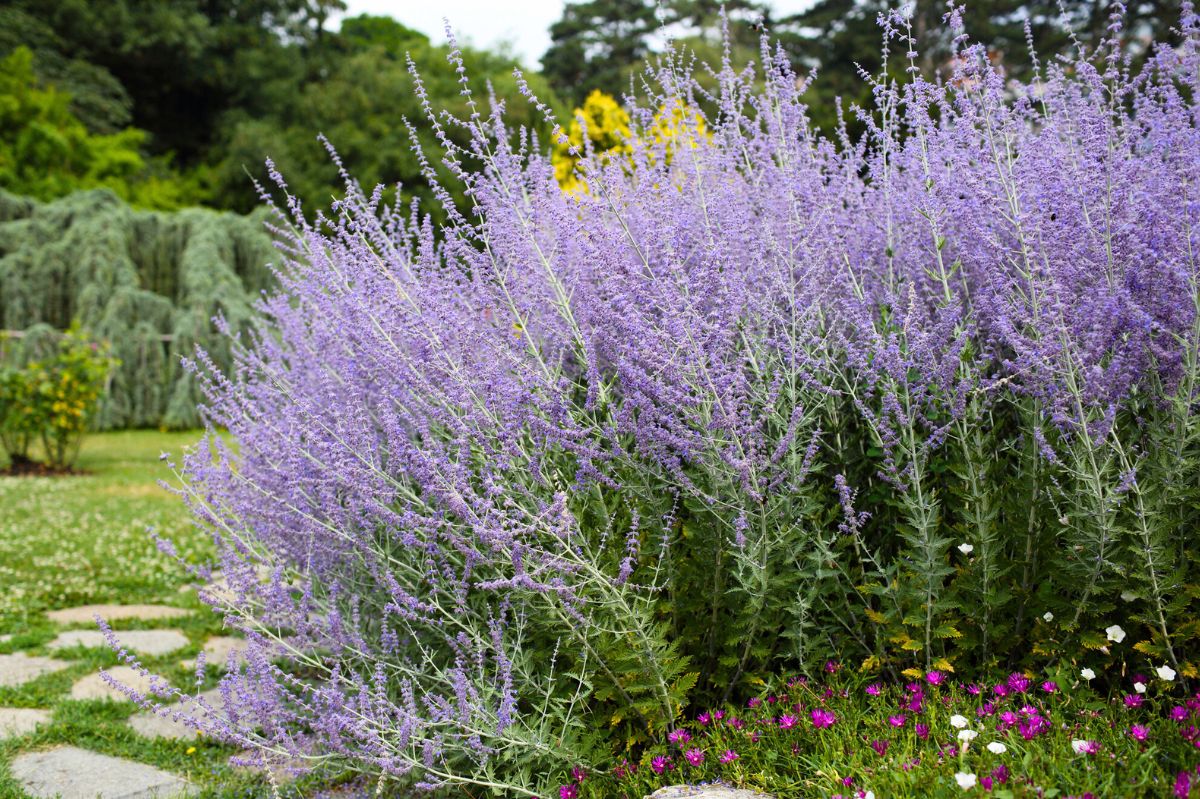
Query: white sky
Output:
(524,24)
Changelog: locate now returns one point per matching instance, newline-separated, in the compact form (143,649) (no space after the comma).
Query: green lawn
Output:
(79,540)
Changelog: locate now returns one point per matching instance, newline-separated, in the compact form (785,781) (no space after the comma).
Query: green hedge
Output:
(131,277)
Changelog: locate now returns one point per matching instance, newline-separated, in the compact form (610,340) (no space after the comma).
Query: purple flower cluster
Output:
(468,462)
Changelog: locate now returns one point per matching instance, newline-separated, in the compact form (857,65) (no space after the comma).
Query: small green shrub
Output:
(53,398)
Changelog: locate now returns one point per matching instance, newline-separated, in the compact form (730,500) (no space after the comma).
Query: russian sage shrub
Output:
(504,495)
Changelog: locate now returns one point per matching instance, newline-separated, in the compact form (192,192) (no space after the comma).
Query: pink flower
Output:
(754,702)
(718,715)
(729,756)
(704,718)
(1018,683)
(1179,713)
(1050,687)
(578,774)
(986,783)
(1000,774)
(786,722)
(897,721)
(935,678)
(660,764)
(679,737)
(922,731)
(1183,785)
(874,689)
(736,723)
(694,756)
(568,792)
(823,718)
(1133,700)
(1139,732)
(880,747)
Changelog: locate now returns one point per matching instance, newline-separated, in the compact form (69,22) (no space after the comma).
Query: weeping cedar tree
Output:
(509,496)
(130,278)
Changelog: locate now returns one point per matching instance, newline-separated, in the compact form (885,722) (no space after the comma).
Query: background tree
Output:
(595,45)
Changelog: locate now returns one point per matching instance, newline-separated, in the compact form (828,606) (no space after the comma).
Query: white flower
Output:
(1140,687)
(958,721)
(867,795)
(1128,596)
(1048,616)
(1115,633)
(967,735)
(1081,746)
(1166,673)
(997,748)
(1087,674)
(966,549)
(965,781)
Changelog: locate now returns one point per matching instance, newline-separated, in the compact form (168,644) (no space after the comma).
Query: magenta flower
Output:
(568,792)
(986,783)
(1139,732)
(922,731)
(897,721)
(1179,713)
(754,702)
(578,774)
(786,722)
(1000,774)
(694,756)
(1050,687)
(704,719)
(1133,700)
(832,666)
(660,764)
(736,723)
(718,715)
(1018,683)
(823,718)
(874,689)
(1183,785)
(935,678)
(679,737)
(729,756)
(880,747)
(973,689)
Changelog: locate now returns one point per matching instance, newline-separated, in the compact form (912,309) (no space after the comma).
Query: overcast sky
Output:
(522,23)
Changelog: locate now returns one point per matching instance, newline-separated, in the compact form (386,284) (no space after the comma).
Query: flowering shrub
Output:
(509,494)
(51,398)
(845,737)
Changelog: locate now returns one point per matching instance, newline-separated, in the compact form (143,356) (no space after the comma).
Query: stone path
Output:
(72,773)
(86,614)
(69,772)
(19,668)
(217,651)
(145,642)
(153,725)
(18,721)
(95,686)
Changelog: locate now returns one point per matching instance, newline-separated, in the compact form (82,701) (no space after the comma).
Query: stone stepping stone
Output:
(19,668)
(151,725)
(88,613)
(18,721)
(94,686)
(72,773)
(144,642)
(217,651)
(714,791)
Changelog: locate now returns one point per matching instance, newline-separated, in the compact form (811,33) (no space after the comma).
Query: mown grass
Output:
(85,539)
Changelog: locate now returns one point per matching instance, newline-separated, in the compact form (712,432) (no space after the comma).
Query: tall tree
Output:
(595,45)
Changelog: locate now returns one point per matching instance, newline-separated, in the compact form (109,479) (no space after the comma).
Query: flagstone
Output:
(18,721)
(69,772)
(19,668)
(95,686)
(154,725)
(88,613)
(144,642)
(217,651)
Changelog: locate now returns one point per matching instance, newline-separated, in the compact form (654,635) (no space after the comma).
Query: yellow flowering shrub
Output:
(609,134)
